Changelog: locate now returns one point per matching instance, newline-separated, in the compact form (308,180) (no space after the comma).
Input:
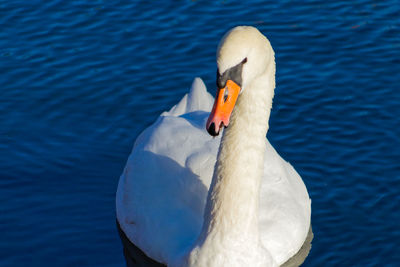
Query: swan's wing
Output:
(285,208)
(162,192)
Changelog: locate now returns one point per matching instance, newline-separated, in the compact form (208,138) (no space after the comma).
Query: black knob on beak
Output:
(212,131)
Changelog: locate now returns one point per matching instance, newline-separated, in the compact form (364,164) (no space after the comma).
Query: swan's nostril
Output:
(226,93)
(211,130)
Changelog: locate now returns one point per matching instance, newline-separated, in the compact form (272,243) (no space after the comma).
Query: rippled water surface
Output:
(79,80)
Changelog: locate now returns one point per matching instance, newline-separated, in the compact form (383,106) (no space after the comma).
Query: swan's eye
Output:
(226,93)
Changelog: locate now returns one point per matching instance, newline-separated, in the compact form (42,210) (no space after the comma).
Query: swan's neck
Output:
(231,213)
(232,207)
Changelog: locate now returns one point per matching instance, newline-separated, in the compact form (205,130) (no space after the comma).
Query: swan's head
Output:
(243,54)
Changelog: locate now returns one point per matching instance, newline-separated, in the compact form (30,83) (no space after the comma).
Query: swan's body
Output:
(257,209)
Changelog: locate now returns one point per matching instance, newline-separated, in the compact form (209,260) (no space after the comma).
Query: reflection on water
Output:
(80,80)
(135,257)
(300,256)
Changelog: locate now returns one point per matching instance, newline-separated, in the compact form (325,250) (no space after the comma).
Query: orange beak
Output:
(224,103)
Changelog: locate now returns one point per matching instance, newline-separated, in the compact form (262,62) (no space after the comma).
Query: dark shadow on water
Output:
(135,257)
(300,256)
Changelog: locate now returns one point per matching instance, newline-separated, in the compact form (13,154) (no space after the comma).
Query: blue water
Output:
(79,80)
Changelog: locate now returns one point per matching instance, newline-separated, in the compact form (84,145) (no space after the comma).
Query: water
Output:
(80,80)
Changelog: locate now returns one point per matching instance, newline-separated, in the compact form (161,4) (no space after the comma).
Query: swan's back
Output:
(162,191)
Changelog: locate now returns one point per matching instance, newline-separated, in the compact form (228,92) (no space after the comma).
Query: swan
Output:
(189,197)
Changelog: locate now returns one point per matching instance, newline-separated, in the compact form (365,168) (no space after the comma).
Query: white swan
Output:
(257,210)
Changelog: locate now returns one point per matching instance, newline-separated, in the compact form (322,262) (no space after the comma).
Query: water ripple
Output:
(80,80)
